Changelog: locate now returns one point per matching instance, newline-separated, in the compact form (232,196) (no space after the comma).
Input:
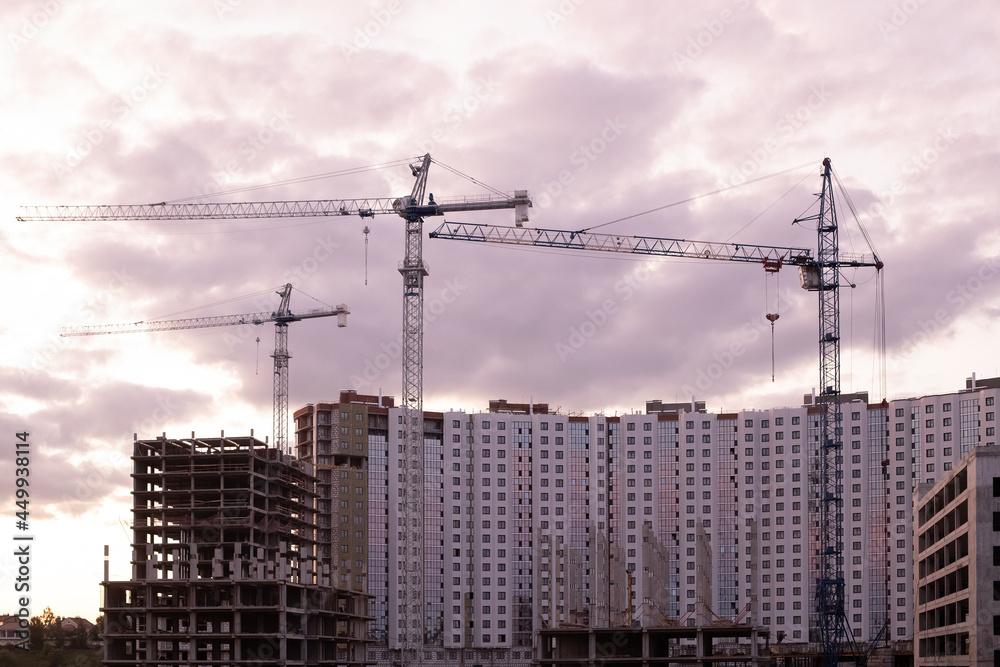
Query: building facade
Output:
(675,515)
(957,577)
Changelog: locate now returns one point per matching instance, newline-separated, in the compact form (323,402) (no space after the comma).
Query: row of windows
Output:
(946,407)
(689,424)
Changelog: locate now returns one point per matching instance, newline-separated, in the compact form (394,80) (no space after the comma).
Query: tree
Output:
(37,628)
(78,637)
(95,632)
(54,632)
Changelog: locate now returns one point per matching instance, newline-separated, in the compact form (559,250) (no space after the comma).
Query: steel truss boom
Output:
(365,208)
(415,612)
(281,317)
(199,322)
(638,245)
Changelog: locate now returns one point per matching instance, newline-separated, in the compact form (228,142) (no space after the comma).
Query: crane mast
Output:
(830,577)
(413,271)
(413,210)
(823,277)
(281,318)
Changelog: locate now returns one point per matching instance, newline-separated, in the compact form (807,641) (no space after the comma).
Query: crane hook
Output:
(771,268)
(366,230)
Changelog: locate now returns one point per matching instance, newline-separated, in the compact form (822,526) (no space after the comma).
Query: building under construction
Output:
(224,563)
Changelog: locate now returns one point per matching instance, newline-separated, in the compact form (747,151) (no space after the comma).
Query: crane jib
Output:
(365,208)
(639,245)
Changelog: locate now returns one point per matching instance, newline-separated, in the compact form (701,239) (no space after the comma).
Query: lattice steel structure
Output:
(823,277)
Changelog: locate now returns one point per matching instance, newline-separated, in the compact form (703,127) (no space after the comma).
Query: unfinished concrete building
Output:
(224,566)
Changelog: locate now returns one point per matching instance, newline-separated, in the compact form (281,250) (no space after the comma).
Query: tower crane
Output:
(281,317)
(820,274)
(413,210)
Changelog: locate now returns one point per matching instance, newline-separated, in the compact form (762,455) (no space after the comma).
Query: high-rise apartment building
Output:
(537,520)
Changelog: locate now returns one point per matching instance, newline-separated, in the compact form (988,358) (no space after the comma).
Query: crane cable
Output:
(211,305)
(879,333)
(300,179)
(756,217)
(469,178)
(696,197)
(854,212)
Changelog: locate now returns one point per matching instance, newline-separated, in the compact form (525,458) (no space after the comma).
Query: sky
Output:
(600,110)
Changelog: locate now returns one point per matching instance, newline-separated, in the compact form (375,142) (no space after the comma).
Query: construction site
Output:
(224,565)
(381,533)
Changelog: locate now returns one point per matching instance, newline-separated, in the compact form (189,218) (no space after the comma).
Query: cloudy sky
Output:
(601,110)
